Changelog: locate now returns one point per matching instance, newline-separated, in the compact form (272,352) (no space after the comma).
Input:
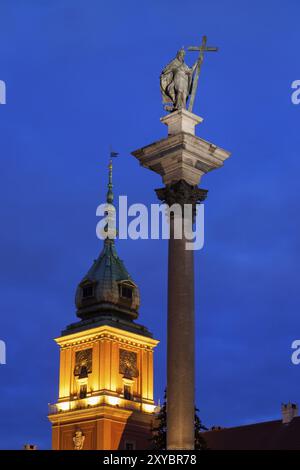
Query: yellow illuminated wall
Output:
(104,401)
(106,343)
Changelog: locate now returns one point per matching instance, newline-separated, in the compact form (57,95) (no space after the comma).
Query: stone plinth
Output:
(181,155)
(181,121)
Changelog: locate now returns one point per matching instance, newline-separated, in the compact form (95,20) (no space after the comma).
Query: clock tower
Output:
(105,399)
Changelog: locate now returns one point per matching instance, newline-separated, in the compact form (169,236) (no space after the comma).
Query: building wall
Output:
(104,416)
(105,373)
(108,432)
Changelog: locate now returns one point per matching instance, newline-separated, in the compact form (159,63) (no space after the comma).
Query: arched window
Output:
(126,289)
(87,291)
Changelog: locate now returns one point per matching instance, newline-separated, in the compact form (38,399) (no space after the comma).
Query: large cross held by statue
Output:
(203,48)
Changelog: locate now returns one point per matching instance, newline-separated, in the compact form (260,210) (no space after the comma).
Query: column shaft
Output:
(181,322)
(181,345)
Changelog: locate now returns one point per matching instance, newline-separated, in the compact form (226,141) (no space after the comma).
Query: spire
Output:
(110,233)
(107,288)
(110,194)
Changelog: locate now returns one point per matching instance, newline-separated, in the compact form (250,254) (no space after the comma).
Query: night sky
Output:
(82,75)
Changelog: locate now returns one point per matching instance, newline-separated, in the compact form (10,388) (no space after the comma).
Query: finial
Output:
(109,232)
(110,194)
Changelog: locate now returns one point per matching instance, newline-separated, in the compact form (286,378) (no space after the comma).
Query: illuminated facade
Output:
(106,363)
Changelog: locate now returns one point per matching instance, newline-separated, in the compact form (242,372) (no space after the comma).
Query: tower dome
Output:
(108,289)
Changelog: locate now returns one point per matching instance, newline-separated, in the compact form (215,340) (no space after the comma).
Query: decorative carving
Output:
(128,364)
(78,440)
(181,193)
(83,363)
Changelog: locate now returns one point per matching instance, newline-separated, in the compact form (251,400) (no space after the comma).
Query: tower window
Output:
(129,445)
(127,392)
(82,391)
(126,292)
(87,291)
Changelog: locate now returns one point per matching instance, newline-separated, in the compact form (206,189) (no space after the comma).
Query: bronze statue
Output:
(178,81)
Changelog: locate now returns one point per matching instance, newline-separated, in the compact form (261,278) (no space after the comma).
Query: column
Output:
(181,322)
(181,159)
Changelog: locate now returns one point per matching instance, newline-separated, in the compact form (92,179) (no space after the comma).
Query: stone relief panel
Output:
(83,362)
(128,364)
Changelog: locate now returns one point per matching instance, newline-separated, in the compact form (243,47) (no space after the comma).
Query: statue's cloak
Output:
(167,81)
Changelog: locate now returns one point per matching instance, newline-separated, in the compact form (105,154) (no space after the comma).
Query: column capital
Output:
(181,193)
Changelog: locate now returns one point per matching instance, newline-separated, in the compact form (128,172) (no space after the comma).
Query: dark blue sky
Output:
(81,75)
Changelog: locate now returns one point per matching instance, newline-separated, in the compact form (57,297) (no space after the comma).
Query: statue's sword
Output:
(203,48)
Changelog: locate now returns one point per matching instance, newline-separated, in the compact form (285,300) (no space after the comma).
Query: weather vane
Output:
(179,82)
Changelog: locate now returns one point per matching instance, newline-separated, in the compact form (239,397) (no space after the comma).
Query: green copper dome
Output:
(107,295)
(107,287)
(108,267)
